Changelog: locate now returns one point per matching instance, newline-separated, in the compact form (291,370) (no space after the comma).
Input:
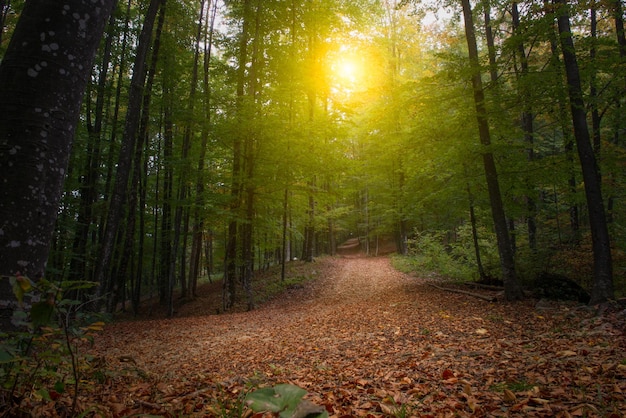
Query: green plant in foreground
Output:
(514,386)
(40,361)
(286,401)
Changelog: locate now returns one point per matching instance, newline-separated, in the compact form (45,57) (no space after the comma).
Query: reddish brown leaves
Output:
(365,341)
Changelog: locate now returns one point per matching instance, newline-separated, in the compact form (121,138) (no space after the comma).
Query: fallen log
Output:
(476,295)
(484,286)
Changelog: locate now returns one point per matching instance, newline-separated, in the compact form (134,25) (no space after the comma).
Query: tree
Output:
(602,262)
(42,81)
(124,163)
(512,289)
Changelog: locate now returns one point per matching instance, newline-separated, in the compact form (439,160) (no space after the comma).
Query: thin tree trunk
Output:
(512,289)
(308,248)
(479,263)
(602,262)
(79,269)
(232,256)
(568,140)
(527,126)
(168,182)
(118,196)
(285,255)
(491,46)
(129,248)
(198,225)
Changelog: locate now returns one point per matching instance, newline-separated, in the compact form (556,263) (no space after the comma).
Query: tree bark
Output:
(124,163)
(527,126)
(512,289)
(129,243)
(79,266)
(43,76)
(602,262)
(233,255)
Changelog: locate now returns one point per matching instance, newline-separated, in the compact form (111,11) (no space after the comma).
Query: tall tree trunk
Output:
(168,185)
(198,222)
(512,288)
(568,140)
(139,274)
(186,166)
(116,204)
(491,45)
(123,272)
(43,76)
(479,263)
(308,247)
(250,149)
(232,256)
(78,269)
(618,14)
(602,262)
(527,126)
(285,249)
(593,86)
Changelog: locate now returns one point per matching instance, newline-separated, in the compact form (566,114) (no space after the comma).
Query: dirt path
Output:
(349,288)
(364,337)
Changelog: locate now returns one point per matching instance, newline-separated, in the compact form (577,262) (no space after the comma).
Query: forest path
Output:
(363,336)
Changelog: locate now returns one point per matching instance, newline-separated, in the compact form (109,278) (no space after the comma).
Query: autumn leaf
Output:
(509,396)
(447,374)
(332,340)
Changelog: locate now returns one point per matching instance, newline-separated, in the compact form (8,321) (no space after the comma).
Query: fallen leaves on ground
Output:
(365,340)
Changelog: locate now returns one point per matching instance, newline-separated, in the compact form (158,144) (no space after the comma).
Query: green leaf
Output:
(6,356)
(265,399)
(286,400)
(44,394)
(41,313)
(17,290)
(59,387)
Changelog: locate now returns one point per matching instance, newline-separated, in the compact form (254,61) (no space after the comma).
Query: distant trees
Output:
(231,148)
(526,115)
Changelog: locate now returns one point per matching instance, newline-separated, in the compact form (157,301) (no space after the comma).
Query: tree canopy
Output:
(218,138)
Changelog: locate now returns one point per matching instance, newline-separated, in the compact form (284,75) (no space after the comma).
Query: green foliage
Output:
(450,253)
(285,400)
(41,360)
(436,251)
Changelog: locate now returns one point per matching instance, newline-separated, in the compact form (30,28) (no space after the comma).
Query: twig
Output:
(149,404)
(476,295)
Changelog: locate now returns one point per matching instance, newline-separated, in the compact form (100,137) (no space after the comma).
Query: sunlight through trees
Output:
(217,139)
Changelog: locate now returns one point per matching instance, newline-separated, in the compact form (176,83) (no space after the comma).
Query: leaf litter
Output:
(365,340)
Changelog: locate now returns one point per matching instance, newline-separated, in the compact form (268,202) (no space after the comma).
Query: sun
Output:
(348,69)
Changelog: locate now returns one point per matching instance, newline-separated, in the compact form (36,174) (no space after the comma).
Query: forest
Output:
(148,147)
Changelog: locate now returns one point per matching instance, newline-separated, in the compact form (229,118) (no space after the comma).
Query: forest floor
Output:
(366,340)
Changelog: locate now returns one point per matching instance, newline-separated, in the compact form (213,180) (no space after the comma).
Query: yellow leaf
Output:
(481,331)
(471,402)
(509,396)
(566,353)
(24,283)
(388,409)
(467,389)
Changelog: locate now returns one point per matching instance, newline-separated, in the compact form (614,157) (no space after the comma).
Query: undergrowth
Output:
(42,361)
